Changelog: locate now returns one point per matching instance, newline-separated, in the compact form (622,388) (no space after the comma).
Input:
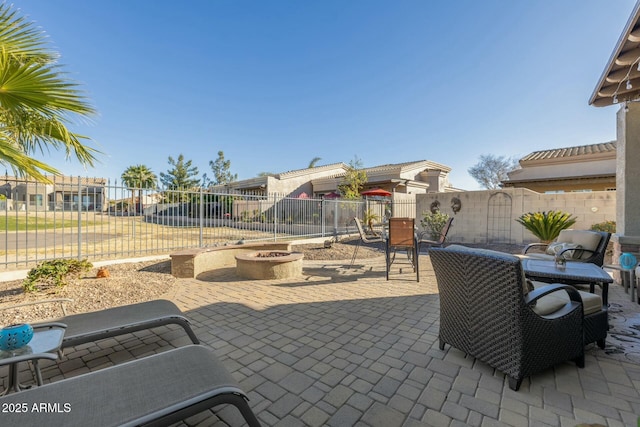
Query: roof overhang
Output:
(620,81)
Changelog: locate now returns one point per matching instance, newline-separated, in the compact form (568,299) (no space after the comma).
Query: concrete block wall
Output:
(478,221)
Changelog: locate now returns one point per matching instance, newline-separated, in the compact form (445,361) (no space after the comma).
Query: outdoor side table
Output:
(45,344)
(628,276)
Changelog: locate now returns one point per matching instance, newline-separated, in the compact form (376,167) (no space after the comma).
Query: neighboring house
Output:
(417,177)
(291,183)
(66,193)
(582,168)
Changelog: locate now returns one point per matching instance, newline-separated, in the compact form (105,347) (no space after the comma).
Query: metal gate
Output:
(499,218)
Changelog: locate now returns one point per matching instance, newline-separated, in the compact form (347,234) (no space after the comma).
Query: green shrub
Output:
(433,223)
(609,226)
(370,217)
(546,226)
(54,273)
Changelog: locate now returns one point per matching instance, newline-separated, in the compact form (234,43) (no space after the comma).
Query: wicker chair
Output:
(594,255)
(485,313)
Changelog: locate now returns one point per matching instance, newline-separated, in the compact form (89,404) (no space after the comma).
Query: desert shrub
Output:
(609,226)
(433,223)
(54,273)
(546,226)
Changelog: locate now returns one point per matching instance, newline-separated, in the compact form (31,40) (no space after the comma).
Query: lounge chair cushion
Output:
(585,238)
(551,303)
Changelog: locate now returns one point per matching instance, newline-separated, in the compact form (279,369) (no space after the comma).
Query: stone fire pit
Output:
(269,265)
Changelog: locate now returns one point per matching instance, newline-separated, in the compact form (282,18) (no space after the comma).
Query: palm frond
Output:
(19,36)
(21,164)
(41,87)
(33,132)
(546,226)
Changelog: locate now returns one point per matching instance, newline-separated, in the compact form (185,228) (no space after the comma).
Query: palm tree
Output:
(138,177)
(312,163)
(37,100)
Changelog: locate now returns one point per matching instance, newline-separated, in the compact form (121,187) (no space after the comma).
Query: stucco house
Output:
(581,168)
(417,177)
(66,193)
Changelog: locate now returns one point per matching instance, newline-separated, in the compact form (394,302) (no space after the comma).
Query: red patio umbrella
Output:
(376,192)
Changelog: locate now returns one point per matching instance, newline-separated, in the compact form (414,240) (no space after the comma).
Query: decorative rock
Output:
(103,273)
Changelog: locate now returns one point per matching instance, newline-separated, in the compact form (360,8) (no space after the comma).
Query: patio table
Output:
(575,273)
(46,341)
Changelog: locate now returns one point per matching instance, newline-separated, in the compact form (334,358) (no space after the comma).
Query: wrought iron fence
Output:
(95,219)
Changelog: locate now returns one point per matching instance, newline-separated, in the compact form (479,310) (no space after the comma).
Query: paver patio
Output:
(345,347)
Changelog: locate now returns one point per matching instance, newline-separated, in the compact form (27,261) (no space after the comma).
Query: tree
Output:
(221,170)
(490,171)
(138,177)
(353,181)
(312,163)
(37,100)
(181,176)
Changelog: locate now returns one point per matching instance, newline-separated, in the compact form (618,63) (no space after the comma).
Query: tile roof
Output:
(601,148)
(306,171)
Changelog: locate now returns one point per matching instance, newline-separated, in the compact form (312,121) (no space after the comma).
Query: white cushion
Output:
(558,247)
(553,302)
(585,238)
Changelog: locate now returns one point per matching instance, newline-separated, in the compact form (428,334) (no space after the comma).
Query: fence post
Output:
(275,218)
(6,231)
(79,220)
(322,217)
(335,219)
(201,215)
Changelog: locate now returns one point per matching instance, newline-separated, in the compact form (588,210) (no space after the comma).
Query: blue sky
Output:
(274,84)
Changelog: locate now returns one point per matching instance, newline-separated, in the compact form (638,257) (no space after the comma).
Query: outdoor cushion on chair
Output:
(574,245)
(157,390)
(591,303)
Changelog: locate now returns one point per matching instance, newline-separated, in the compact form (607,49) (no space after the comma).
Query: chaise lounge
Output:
(156,390)
(96,325)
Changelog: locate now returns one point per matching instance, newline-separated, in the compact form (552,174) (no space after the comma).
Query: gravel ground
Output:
(129,283)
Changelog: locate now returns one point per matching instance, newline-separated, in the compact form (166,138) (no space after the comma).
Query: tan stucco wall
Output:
(568,186)
(473,223)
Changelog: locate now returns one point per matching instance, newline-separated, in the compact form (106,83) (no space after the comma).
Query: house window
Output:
(610,189)
(554,192)
(35,199)
(586,190)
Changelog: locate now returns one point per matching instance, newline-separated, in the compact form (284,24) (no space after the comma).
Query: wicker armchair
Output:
(485,313)
(593,251)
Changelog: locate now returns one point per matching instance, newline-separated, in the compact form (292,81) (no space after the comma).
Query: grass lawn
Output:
(12,223)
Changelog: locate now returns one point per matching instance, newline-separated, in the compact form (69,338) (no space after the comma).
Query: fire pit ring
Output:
(263,265)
